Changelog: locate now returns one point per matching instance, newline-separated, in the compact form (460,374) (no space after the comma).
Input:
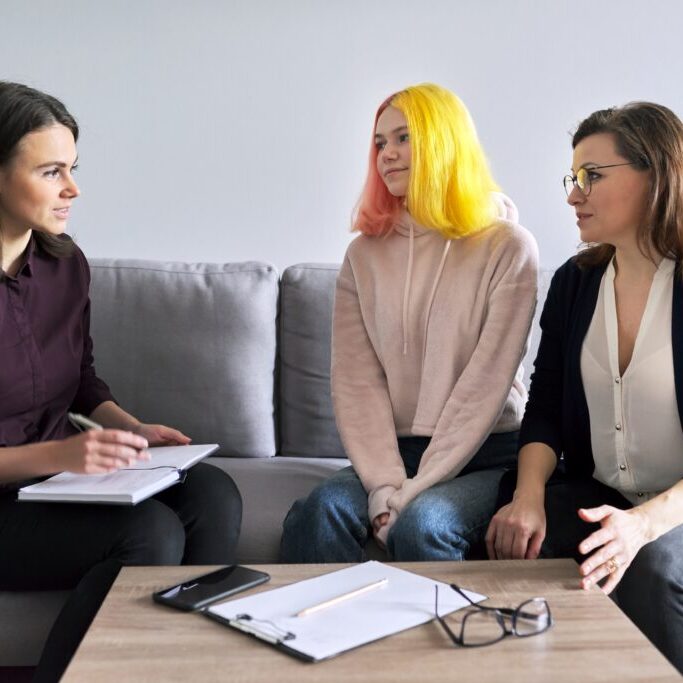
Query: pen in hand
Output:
(85,424)
(341,598)
(82,423)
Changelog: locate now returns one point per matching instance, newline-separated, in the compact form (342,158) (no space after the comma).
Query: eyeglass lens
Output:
(531,617)
(481,628)
(581,180)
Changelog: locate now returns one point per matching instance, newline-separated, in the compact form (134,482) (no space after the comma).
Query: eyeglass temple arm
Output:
(446,627)
(461,592)
(509,611)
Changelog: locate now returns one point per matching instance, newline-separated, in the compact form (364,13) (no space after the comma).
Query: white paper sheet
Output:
(405,601)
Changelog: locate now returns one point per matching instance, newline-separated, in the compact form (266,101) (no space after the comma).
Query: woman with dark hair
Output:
(46,370)
(607,391)
(432,311)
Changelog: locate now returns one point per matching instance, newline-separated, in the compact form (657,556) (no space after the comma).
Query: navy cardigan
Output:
(557,413)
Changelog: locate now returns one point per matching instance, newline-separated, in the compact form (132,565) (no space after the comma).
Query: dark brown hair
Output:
(650,136)
(24,110)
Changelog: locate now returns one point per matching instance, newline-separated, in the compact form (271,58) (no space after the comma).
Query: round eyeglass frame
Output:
(582,179)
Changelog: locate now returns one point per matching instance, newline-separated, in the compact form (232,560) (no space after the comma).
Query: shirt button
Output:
(640,494)
(618,426)
(622,467)
(617,380)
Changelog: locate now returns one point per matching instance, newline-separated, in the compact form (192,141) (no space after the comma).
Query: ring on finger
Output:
(612,565)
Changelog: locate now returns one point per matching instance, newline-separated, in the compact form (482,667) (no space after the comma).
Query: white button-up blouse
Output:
(636,433)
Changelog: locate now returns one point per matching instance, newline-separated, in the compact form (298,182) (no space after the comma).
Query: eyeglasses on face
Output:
(583,178)
(487,625)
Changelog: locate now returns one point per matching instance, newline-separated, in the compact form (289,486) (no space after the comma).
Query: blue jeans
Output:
(445,522)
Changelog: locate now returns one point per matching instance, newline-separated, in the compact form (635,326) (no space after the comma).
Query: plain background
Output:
(239,130)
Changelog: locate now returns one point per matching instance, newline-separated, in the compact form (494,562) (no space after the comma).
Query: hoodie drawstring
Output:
(406,290)
(432,295)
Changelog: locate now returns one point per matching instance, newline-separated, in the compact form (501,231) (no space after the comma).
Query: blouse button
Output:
(617,380)
(640,494)
(618,426)
(622,467)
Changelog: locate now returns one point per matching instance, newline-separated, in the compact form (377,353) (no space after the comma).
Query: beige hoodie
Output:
(428,337)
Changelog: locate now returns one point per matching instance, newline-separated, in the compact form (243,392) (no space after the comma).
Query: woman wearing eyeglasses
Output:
(432,310)
(607,390)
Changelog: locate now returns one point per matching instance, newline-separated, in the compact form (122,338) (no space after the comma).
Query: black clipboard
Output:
(264,631)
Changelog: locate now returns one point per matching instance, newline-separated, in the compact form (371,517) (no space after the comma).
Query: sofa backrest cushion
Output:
(307,425)
(192,346)
(306,418)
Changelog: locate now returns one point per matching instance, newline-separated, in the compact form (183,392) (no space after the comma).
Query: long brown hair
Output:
(650,136)
(24,110)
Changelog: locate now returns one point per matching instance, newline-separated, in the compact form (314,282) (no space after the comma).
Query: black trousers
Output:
(72,546)
(651,591)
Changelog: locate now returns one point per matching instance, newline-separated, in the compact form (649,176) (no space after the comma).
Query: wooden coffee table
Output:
(134,639)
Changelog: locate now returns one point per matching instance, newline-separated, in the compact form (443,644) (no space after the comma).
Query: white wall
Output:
(229,131)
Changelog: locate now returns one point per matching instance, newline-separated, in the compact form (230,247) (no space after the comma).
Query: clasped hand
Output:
(380,529)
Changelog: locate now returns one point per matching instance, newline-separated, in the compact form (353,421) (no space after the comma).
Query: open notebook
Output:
(126,486)
(403,601)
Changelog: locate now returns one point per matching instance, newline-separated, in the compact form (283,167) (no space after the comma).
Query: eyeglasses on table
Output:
(487,625)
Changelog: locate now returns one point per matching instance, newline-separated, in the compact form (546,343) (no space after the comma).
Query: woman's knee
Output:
(153,535)
(329,525)
(332,504)
(427,529)
(657,571)
(331,499)
(214,489)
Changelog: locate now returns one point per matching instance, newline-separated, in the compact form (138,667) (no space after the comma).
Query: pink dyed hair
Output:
(450,182)
(377,209)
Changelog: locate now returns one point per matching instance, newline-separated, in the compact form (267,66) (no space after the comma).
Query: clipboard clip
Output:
(261,628)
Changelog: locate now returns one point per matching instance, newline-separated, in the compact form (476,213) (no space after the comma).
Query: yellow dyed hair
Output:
(450,182)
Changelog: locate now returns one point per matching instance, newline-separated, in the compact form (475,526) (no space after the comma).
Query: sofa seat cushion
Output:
(269,487)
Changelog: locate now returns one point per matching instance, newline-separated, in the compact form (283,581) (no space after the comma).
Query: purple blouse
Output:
(46,362)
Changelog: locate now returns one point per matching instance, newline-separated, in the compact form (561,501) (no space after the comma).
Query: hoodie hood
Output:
(505,207)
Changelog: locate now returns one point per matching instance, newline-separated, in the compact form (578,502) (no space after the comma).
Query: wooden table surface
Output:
(134,639)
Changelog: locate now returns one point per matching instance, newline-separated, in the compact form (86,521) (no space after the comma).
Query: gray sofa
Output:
(228,353)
